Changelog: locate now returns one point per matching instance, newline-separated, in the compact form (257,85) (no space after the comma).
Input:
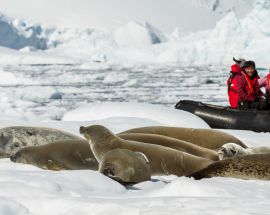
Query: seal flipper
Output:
(109,171)
(53,165)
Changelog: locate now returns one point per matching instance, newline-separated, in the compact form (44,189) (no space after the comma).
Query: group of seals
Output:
(46,148)
(134,155)
(164,160)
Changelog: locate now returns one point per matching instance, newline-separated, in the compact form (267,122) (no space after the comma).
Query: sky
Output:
(163,14)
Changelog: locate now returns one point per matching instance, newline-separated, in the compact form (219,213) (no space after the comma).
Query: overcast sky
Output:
(110,14)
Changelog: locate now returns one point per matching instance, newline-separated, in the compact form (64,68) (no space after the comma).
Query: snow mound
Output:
(158,113)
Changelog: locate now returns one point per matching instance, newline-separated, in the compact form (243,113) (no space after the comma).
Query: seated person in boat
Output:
(243,88)
(265,82)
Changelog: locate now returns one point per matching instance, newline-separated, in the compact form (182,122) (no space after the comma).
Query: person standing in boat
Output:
(232,82)
(243,88)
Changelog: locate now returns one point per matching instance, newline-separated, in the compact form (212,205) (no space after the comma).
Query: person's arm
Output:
(262,82)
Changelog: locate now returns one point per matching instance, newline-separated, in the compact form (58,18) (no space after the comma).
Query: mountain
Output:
(142,42)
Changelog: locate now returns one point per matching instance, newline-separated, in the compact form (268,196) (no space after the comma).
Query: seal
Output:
(60,155)
(179,145)
(207,138)
(15,137)
(162,160)
(255,166)
(125,166)
(232,149)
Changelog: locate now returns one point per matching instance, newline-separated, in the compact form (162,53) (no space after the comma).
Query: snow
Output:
(29,190)
(162,115)
(73,192)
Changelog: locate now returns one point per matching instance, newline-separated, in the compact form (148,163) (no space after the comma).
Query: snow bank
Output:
(158,113)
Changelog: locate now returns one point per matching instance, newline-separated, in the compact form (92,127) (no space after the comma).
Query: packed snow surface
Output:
(29,190)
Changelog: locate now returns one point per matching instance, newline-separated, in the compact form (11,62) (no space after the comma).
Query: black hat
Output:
(249,63)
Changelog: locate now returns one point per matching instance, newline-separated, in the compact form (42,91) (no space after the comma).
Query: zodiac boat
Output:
(227,118)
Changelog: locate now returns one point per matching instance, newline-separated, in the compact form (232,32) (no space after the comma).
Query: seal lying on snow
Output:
(13,138)
(207,138)
(232,149)
(125,166)
(60,155)
(162,160)
(179,145)
(256,166)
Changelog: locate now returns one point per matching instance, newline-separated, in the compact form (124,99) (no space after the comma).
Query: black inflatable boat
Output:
(227,118)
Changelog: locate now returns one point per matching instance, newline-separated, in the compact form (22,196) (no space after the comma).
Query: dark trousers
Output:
(259,105)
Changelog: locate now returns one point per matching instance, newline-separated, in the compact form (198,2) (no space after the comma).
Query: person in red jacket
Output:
(232,82)
(248,89)
(265,82)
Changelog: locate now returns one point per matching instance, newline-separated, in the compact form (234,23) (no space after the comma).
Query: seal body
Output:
(125,166)
(60,155)
(13,138)
(256,166)
(232,149)
(179,145)
(207,138)
(162,160)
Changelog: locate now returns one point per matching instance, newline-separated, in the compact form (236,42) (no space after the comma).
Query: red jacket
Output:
(265,82)
(241,87)
(248,87)
(232,83)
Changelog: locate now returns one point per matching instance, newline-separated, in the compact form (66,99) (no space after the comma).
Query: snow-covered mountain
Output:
(17,34)
(136,42)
